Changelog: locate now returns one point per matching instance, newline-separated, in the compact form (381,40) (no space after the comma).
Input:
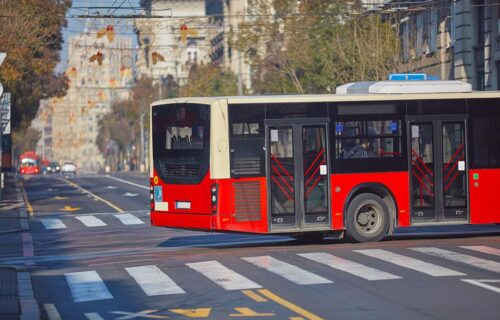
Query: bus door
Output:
(438,170)
(298,174)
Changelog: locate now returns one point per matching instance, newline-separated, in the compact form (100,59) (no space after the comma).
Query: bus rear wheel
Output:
(367,218)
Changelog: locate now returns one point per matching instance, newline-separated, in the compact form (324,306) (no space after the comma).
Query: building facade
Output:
(451,40)
(100,71)
(173,39)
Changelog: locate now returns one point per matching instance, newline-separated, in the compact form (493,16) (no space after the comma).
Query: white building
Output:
(174,39)
(69,124)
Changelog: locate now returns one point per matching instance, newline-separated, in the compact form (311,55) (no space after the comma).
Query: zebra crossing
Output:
(91,221)
(302,269)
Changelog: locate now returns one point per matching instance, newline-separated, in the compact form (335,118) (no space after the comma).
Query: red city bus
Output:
(372,157)
(30,163)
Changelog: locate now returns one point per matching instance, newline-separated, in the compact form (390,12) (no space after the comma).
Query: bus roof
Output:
(360,91)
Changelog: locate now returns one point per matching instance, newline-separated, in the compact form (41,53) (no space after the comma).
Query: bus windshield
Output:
(180,140)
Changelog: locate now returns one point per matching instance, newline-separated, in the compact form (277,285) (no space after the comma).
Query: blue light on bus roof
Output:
(407,76)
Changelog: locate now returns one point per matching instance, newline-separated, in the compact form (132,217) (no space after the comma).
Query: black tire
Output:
(367,218)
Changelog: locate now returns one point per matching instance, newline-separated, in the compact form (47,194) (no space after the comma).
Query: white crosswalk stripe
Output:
(348,266)
(52,223)
(153,281)
(128,219)
(483,249)
(223,276)
(91,221)
(286,270)
(462,258)
(410,263)
(87,286)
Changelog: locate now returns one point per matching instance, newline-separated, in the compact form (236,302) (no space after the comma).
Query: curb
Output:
(30,309)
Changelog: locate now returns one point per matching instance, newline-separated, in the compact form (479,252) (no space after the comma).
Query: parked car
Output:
(68,167)
(53,167)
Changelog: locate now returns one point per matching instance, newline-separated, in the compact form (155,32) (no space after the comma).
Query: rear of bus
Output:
(180,173)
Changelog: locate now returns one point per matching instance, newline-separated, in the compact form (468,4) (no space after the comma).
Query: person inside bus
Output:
(360,150)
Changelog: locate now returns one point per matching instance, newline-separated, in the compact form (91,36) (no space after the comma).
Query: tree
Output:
(122,125)
(315,45)
(30,34)
(25,141)
(208,81)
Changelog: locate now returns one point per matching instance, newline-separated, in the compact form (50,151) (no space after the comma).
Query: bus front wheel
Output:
(367,218)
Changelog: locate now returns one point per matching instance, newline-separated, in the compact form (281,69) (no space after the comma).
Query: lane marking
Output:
(69,209)
(140,314)
(128,182)
(91,221)
(254,296)
(29,208)
(288,271)
(348,266)
(28,248)
(482,283)
(193,313)
(483,249)
(223,276)
(153,281)
(289,305)
(248,312)
(462,258)
(128,219)
(87,286)
(52,312)
(93,316)
(96,197)
(52,223)
(410,263)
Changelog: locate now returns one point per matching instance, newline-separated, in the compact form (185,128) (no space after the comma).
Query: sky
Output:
(76,25)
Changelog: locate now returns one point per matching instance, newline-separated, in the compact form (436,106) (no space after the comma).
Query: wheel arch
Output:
(380,190)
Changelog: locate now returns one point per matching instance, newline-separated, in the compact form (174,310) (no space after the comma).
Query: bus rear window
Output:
(180,142)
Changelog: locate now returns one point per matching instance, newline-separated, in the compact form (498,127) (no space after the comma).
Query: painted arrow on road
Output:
(69,209)
(128,194)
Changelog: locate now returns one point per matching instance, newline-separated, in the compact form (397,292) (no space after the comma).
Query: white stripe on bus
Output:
(410,263)
(223,276)
(153,281)
(52,223)
(87,286)
(348,266)
(483,249)
(91,221)
(128,219)
(286,270)
(462,258)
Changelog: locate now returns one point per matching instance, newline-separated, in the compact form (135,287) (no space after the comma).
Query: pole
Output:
(240,76)
(141,165)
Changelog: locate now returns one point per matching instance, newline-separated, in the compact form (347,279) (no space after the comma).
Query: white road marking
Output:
(410,263)
(52,312)
(223,276)
(111,187)
(128,194)
(93,316)
(482,283)
(348,266)
(483,249)
(87,286)
(128,219)
(91,221)
(286,270)
(52,223)
(462,258)
(153,281)
(128,182)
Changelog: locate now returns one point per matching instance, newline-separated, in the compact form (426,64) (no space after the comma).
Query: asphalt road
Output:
(97,257)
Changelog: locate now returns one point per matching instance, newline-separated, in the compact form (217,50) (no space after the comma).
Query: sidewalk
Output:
(16,294)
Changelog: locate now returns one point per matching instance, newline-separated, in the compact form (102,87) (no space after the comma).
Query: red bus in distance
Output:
(29,163)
